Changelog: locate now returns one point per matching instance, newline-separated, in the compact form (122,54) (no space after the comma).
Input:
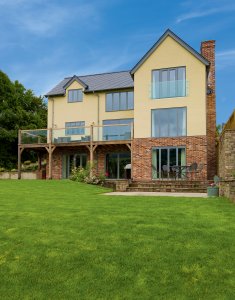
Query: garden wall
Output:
(14,175)
(227,189)
(226,154)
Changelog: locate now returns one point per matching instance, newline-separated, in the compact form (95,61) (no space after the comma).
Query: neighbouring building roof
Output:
(96,82)
(167,33)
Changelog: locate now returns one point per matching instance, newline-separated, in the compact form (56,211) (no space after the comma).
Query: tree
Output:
(219,128)
(19,109)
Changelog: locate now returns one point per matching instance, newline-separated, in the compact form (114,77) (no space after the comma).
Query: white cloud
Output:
(206,10)
(225,58)
(41,17)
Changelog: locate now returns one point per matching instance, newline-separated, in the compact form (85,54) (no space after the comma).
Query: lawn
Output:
(65,240)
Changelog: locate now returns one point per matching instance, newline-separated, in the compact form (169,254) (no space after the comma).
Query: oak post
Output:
(19,162)
(50,154)
(91,150)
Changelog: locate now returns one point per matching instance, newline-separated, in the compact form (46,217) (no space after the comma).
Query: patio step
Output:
(168,186)
(169,190)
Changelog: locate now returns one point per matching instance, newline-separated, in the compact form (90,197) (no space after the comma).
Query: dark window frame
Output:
(77,100)
(119,101)
(69,129)
(160,80)
(169,136)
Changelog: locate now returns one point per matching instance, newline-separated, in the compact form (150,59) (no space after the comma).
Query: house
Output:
(157,115)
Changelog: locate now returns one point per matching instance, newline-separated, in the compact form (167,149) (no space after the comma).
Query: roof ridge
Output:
(98,74)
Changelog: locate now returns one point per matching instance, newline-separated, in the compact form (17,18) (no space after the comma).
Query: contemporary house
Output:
(158,115)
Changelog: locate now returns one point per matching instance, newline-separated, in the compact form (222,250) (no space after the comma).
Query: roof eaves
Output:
(168,32)
(109,89)
(75,78)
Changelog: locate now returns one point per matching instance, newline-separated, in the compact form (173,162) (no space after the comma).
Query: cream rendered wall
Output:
(87,110)
(171,54)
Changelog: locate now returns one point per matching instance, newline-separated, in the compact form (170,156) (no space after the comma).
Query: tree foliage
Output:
(19,109)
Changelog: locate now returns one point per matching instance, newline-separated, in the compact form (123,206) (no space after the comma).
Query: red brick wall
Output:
(101,152)
(99,157)
(208,51)
(196,151)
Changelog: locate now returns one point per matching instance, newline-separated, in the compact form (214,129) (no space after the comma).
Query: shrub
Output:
(27,162)
(83,175)
(2,169)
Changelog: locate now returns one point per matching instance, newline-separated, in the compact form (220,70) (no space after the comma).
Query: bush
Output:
(27,162)
(83,175)
(79,174)
(2,169)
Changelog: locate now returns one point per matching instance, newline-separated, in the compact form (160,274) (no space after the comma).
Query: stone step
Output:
(149,185)
(167,185)
(170,190)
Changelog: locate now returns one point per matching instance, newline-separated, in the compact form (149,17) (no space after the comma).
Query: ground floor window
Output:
(115,165)
(164,158)
(71,161)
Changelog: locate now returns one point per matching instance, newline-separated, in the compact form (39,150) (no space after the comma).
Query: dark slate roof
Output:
(97,82)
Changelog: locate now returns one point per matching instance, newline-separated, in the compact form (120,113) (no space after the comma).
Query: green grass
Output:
(64,240)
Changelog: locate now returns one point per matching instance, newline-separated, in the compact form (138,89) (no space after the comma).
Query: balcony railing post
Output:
(19,154)
(91,149)
(19,137)
(50,135)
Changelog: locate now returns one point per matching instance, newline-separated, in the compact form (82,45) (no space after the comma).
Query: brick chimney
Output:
(208,51)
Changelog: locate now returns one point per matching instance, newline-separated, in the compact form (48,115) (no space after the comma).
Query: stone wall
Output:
(226,154)
(14,175)
(196,151)
(227,189)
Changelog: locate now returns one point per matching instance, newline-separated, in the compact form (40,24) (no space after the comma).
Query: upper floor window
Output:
(169,122)
(118,130)
(75,95)
(74,131)
(168,83)
(120,101)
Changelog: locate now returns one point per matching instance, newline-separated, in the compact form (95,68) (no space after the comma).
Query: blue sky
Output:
(43,41)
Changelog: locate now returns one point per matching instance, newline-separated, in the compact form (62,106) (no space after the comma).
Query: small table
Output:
(181,171)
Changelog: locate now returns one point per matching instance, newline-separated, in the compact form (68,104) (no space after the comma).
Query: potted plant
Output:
(213,188)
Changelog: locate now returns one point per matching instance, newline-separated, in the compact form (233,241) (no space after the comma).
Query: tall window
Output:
(115,164)
(116,131)
(75,95)
(74,131)
(169,122)
(168,83)
(119,101)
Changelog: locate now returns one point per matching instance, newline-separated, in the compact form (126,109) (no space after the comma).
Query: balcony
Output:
(106,134)
(169,89)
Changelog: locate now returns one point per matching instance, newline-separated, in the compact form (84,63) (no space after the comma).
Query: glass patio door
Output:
(69,162)
(163,159)
(115,164)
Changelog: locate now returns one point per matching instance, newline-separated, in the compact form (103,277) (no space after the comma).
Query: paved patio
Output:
(157,194)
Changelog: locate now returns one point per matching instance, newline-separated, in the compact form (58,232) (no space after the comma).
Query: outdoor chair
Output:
(199,169)
(192,169)
(175,171)
(165,170)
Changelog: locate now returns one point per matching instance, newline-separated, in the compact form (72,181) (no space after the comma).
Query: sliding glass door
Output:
(163,159)
(72,161)
(115,165)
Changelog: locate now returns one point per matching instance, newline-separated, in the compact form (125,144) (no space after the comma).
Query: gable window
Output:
(120,101)
(73,130)
(75,95)
(169,83)
(169,122)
